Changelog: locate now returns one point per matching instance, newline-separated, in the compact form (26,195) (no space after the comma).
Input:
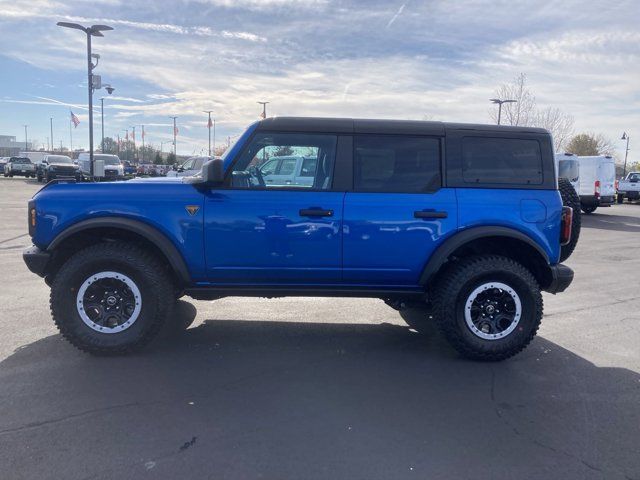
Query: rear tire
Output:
(514,305)
(589,209)
(570,199)
(620,198)
(111,298)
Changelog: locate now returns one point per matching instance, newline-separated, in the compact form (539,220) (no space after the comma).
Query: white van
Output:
(597,182)
(113,168)
(568,167)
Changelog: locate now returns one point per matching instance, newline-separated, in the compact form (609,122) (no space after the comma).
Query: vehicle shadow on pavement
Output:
(620,223)
(249,399)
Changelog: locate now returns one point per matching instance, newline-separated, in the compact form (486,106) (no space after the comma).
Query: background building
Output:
(9,147)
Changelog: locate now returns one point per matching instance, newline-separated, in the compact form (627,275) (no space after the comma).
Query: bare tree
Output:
(522,111)
(589,144)
(560,125)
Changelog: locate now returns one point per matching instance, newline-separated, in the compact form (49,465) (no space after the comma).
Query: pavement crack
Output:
(74,416)
(14,238)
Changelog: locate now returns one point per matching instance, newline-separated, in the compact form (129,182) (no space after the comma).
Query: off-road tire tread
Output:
(445,300)
(570,199)
(147,263)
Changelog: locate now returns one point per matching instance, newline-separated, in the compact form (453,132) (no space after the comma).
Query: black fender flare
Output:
(450,245)
(145,230)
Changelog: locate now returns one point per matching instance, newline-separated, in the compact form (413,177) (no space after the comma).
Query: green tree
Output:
(110,146)
(283,151)
(158,159)
(171,159)
(589,144)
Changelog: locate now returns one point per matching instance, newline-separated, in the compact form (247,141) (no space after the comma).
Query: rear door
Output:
(607,177)
(398,212)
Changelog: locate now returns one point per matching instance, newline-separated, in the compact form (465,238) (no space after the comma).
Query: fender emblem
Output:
(192,209)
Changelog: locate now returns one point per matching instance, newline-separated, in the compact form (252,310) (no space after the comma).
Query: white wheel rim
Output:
(82,304)
(478,325)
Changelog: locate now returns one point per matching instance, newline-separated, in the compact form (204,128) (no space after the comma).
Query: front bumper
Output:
(36,260)
(561,278)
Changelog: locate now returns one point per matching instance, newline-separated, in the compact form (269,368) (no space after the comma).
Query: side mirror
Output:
(213,172)
(44,162)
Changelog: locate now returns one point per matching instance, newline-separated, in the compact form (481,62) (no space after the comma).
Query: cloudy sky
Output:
(431,59)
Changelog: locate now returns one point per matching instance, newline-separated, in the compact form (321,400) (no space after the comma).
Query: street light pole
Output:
(25,138)
(92,31)
(174,138)
(626,154)
(500,102)
(264,109)
(135,153)
(51,126)
(209,127)
(102,123)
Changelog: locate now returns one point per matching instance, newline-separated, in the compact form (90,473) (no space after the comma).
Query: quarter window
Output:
(501,160)
(396,164)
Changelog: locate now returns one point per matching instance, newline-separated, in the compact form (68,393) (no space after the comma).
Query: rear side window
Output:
(396,164)
(501,160)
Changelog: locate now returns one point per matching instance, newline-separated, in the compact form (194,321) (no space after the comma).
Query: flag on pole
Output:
(262,116)
(74,120)
(210,123)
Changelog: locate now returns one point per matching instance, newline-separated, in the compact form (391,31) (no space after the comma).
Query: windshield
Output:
(634,177)
(568,169)
(20,160)
(58,159)
(108,159)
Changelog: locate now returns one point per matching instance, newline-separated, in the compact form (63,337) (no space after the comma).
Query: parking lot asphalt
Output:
(305,388)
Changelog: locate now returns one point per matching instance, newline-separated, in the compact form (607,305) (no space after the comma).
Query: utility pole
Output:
(51,126)
(264,109)
(26,149)
(626,153)
(118,145)
(209,124)
(174,137)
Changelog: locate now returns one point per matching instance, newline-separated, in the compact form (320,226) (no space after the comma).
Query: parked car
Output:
(190,167)
(3,162)
(289,170)
(56,166)
(629,188)
(113,169)
(129,169)
(469,234)
(569,168)
(20,166)
(597,182)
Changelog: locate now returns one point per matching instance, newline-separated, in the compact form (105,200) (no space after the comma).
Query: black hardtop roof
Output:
(357,125)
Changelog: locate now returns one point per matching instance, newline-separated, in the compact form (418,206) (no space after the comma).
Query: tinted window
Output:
(396,164)
(58,159)
(501,160)
(254,168)
(108,159)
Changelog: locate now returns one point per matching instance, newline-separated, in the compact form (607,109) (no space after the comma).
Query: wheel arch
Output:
(115,228)
(491,240)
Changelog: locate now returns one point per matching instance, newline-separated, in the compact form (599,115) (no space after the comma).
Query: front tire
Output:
(488,307)
(111,298)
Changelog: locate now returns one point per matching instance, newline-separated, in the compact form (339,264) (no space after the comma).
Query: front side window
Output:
(501,161)
(396,164)
(271,160)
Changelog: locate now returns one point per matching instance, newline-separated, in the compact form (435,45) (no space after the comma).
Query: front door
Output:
(397,214)
(271,233)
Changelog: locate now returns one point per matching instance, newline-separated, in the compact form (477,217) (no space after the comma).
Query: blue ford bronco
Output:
(464,222)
